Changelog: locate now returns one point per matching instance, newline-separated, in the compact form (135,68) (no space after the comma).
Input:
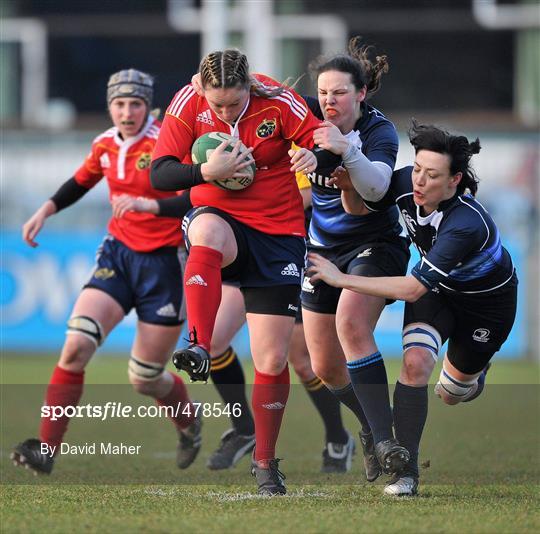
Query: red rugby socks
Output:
(202,283)
(65,389)
(270,394)
(178,399)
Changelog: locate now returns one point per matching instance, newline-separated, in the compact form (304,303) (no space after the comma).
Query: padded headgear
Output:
(131,83)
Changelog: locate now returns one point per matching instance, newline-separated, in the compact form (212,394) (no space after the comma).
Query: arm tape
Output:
(175,207)
(68,193)
(168,174)
(371,179)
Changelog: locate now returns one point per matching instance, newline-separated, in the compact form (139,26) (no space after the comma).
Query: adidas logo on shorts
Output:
(307,286)
(196,280)
(167,311)
(291,270)
(274,406)
(206,117)
(365,253)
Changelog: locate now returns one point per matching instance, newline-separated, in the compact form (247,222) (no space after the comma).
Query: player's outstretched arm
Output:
(33,226)
(121,204)
(176,206)
(406,288)
(68,193)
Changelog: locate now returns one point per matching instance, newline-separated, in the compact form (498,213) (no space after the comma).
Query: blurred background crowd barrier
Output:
(472,66)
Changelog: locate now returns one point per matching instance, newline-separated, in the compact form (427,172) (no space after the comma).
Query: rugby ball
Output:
(206,144)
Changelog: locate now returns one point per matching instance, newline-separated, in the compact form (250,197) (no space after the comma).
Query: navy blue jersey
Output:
(459,244)
(330,225)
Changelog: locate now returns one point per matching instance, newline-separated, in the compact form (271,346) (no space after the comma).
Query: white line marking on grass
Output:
(231,497)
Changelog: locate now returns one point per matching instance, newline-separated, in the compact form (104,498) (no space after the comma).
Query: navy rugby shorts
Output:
(264,263)
(150,282)
(376,257)
(475,324)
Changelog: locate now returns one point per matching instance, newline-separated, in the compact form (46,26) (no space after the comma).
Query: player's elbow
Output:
(414,292)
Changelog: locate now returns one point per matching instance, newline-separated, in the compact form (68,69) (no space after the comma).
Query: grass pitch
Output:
(483,474)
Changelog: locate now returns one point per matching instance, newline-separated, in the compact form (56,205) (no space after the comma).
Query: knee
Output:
(272,364)
(329,372)
(452,391)
(351,330)
(76,353)
(208,232)
(299,359)
(303,370)
(417,366)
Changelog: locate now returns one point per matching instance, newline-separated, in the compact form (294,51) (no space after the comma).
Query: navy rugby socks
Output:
(410,414)
(348,397)
(370,383)
(228,377)
(328,407)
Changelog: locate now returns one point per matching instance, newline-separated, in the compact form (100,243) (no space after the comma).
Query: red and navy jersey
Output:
(459,243)
(331,225)
(272,203)
(126,166)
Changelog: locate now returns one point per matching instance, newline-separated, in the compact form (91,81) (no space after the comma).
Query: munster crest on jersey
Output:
(266,128)
(104,273)
(144,161)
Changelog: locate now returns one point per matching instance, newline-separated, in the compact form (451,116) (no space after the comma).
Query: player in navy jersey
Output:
(338,324)
(463,289)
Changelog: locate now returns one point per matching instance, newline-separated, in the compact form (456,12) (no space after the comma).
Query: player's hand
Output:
(223,164)
(197,84)
(121,204)
(33,226)
(320,269)
(340,178)
(329,137)
(302,160)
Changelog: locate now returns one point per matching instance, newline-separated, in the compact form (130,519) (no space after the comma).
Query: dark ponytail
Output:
(364,70)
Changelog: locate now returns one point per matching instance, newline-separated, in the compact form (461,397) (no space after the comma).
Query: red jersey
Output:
(272,203)
(126,165)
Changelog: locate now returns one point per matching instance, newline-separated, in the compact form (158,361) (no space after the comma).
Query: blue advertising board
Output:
(39,286)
